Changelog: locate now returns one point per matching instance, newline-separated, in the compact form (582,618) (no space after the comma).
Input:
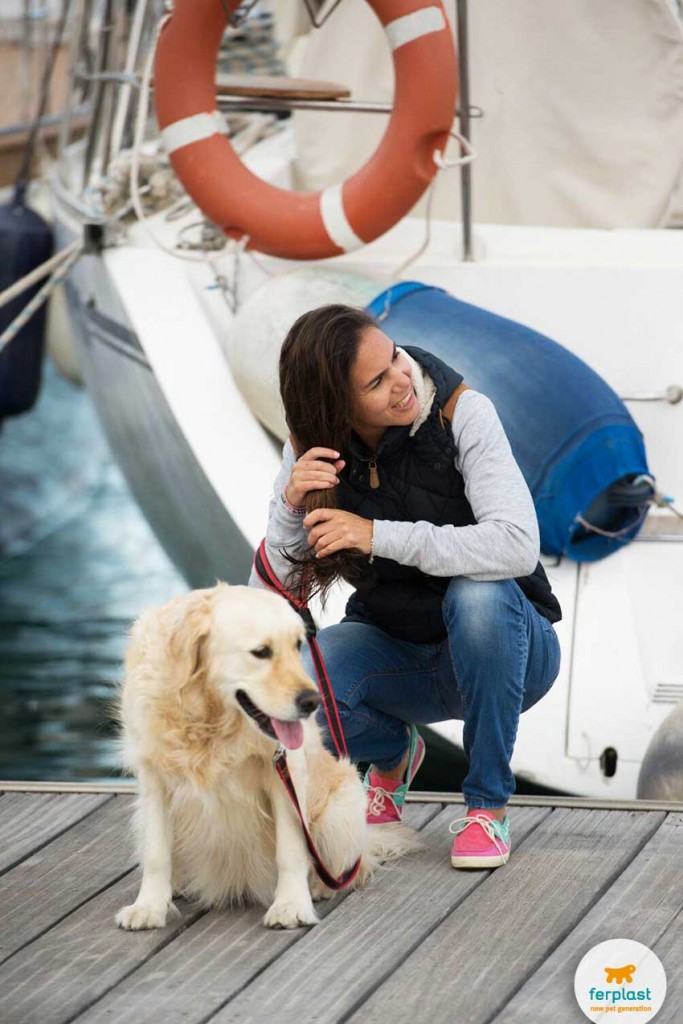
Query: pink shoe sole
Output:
(482,861)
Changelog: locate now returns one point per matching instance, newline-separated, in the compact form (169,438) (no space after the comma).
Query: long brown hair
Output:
(315,369)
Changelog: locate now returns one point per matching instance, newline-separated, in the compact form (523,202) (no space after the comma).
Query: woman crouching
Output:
(399,478)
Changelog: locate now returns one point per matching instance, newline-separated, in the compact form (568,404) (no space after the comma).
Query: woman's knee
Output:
(478,609)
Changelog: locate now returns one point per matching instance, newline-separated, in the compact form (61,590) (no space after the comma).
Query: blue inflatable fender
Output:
(575,441)
(25,243)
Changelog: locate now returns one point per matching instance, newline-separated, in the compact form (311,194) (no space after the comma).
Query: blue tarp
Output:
(571,434)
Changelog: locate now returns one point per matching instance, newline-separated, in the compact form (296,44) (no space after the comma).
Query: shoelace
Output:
(378,802)
(487,825)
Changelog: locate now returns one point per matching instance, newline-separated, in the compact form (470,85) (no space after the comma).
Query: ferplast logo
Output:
(617,976)
(620,976)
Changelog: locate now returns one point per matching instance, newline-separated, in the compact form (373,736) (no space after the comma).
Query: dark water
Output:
(78,565)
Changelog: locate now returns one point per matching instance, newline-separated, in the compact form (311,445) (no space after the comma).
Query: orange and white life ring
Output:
(306,225)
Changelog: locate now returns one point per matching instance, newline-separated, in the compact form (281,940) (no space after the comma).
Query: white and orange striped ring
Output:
(307,225)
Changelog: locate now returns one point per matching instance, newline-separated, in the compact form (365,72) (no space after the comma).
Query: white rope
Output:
(39,298)
(658,499)
(444,165)
(125,91)
(38,273)
(140,122)
(662,501)
(427,236)
(613,534)
(235,246)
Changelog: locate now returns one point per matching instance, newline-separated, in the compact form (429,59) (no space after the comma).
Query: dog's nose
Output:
(307,701)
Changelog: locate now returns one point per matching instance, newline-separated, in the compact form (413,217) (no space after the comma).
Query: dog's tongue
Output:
(290,734)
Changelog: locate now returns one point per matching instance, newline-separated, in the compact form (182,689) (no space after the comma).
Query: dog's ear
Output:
(188,640)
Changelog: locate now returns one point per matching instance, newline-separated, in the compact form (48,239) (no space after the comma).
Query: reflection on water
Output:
(66,606)
(83,565)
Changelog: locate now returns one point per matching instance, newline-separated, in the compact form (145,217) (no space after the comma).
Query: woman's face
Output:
(381,387)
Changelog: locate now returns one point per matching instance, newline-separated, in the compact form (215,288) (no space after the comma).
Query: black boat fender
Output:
(25,242)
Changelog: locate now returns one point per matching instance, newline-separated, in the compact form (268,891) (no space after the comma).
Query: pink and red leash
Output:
(270,580)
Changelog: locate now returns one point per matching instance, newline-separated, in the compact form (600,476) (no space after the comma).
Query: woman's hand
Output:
(311,473)
(331,530)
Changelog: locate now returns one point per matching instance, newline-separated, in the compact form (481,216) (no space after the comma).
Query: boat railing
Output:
(114,87)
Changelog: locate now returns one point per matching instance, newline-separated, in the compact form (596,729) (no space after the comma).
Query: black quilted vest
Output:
(417,481)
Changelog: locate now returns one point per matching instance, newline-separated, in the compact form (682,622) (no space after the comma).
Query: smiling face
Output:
(381,387)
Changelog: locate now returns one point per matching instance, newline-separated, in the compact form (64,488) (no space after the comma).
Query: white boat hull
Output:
(152,331)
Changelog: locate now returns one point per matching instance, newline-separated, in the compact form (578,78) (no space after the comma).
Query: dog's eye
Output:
(299,644)
(262,652)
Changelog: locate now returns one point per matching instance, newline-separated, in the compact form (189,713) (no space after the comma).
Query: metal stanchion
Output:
(464,108)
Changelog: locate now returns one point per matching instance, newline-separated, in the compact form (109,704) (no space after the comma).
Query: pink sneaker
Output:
(386,797)
(480,840)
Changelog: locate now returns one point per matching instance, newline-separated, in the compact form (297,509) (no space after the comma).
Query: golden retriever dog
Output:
(213,685)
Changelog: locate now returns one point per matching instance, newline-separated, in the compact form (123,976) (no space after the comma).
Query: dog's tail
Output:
(384,843)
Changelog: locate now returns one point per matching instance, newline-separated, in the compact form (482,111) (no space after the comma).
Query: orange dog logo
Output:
(619,975)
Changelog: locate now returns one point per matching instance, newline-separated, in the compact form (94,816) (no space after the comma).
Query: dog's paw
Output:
(144,915)
(290,915)
(319,891)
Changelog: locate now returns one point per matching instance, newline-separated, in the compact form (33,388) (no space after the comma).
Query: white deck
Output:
(423,943)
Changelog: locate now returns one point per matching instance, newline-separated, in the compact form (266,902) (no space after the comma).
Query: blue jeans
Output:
(500,657)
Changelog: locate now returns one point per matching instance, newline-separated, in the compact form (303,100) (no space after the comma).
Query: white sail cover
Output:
(582,102)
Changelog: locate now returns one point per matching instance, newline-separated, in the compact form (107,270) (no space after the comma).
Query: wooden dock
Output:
(424,945)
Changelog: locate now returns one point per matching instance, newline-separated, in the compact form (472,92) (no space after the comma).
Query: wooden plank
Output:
(274,85)
(194,975)
(324,975)
(509,925)
(53,882)
(114,788)
(207,964)
(668,949)
(645,904)
(29,820)
(419,815)
(75,963)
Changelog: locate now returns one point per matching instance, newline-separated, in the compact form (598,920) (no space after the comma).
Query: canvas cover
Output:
(582,102)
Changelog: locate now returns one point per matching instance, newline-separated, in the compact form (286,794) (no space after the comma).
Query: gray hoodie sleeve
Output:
(285,529)
(504,542)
